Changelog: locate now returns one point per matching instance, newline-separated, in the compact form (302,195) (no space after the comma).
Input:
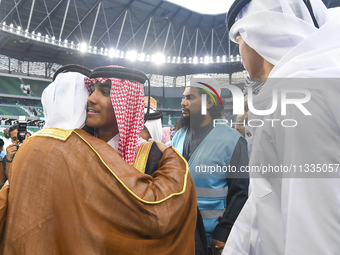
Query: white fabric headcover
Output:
(154,127)
(64,101)
(274,27)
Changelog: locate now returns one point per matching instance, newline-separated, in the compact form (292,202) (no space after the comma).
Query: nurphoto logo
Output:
(284,94)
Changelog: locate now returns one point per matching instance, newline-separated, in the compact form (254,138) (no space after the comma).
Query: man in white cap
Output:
(210,152)
(71,193)
(294,210)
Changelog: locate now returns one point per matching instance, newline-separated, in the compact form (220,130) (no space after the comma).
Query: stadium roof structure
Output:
(151,35)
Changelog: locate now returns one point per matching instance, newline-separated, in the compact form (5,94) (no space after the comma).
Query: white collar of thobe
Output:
(114,142)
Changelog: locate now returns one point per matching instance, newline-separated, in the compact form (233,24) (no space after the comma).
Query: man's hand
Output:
(161,146)
(10,151)
(217,247)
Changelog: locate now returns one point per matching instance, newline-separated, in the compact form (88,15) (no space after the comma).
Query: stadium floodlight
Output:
(218,59)
(111,53)
(83,47)
(206,59)
(158,58)
(131,55)
(141,57)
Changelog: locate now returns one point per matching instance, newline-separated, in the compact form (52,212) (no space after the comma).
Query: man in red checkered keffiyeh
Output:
(90,184)
(120,128)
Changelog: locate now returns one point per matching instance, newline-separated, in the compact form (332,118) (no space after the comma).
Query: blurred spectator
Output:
(7,139)
(240,125)
(2,172)
(166,136)
(12,149)
(2,154)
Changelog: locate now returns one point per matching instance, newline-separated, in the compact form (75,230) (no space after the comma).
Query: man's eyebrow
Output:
(189,95)
(103,85)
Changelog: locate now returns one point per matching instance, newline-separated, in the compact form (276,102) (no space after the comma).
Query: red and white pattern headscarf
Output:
(127,98)
(88,83)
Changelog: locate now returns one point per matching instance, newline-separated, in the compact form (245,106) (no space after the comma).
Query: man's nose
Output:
(92,98)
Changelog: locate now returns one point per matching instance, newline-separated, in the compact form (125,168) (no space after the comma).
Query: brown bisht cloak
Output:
(71,193)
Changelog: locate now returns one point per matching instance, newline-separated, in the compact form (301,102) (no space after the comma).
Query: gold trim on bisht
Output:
(57,133)
(142,156)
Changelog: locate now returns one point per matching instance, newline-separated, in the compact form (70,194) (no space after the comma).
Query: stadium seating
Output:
(37,86)
(12,111)
(10,85)
(169,103)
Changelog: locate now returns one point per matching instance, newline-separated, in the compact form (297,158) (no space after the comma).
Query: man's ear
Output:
(210,102)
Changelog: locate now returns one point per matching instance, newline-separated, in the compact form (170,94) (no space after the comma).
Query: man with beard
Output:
(210,151)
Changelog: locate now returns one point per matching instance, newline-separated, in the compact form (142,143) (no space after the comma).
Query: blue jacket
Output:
(208,166)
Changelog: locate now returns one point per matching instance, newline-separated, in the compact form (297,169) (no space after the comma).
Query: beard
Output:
(193,121)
